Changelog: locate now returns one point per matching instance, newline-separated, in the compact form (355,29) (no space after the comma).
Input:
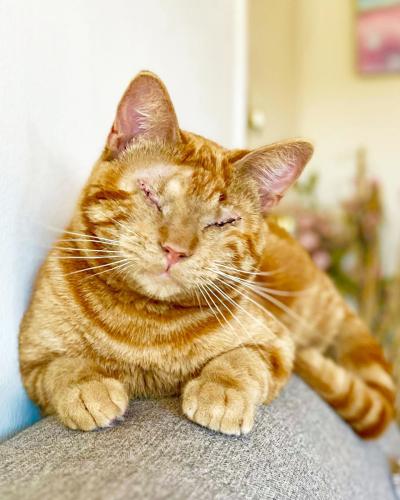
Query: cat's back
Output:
(300,293)
(284,256)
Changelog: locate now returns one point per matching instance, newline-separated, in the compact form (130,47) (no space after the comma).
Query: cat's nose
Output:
(174,255)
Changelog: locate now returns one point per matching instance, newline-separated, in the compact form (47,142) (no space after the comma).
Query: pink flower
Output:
(306,221)
(322,259)
(309,240)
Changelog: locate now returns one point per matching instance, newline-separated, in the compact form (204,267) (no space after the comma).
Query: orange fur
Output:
(108,321)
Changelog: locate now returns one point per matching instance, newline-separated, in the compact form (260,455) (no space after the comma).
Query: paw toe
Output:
(92,404)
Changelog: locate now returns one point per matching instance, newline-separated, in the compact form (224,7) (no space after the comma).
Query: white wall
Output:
(63,67)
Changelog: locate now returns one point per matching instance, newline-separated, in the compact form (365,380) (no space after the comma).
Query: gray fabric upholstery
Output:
(299,449)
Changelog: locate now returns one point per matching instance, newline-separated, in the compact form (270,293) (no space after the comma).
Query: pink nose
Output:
(173,255)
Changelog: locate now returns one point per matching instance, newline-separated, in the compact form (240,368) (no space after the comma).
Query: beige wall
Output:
(272,67)
(330,103)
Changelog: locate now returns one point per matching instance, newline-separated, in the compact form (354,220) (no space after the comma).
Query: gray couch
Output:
(299,450)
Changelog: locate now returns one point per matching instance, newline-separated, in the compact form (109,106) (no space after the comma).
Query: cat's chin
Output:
(161,286)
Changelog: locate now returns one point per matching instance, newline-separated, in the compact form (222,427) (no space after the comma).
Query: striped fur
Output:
(224,326)
(336,354)
(367,407)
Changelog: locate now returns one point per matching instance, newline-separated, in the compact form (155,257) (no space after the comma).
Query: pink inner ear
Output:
(268,200)
(130,120)
(145,110)
(276,168)
(276,178)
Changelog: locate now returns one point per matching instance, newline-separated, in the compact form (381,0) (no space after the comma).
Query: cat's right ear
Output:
(145,111)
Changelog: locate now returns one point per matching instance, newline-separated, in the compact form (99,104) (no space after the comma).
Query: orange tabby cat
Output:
(170,280)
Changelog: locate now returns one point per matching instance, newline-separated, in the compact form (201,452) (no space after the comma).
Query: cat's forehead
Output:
(163,171)
(157,173)
(172,179)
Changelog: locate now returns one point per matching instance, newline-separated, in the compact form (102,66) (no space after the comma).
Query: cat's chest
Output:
(160,370)
(176,357)
(156,361)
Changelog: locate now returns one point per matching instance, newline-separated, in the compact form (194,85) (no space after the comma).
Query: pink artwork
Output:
(378,36)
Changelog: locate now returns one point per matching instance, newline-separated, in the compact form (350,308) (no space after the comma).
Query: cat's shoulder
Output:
(277,232)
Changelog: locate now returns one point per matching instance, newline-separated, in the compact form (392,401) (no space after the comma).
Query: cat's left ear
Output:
(145,111)
(276,168)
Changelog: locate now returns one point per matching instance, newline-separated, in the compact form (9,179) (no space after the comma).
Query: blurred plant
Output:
(345,242)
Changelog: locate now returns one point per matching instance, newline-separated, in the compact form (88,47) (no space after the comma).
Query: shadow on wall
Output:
(29,210)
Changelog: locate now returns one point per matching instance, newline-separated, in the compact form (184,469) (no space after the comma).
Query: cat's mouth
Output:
(161,284)
(166,276)
(162,274)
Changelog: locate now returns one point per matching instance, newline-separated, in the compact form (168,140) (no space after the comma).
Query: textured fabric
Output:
(299,449)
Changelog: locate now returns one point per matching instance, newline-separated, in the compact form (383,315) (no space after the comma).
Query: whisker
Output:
(235,304)
(85,257)
(96,267)
(198,299)
(201,290)
(254,273)
(210,287)
(273,291)
(277,272)
(120,267)
(246,296)
(283,307)
(213,285)
(87,240)
(283,293)
(205,289)
(268,297)
(124,226)
(64,231)
(76,249)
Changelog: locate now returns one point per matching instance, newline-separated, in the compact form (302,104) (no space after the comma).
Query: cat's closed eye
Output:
(222,223)
(150,194)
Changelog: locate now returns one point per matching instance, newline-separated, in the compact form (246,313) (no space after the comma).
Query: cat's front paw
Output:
(219,407)
(92,404)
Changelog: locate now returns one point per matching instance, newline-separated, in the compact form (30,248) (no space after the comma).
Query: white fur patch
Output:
(174,186)
(152,174)
(155,171)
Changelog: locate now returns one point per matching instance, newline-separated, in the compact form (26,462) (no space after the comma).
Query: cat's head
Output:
(177,207)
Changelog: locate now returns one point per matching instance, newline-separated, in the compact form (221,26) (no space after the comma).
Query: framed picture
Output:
(378,36)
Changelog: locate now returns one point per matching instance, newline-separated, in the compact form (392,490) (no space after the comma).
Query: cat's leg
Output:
(225,395)
(360,388)
(77,391)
